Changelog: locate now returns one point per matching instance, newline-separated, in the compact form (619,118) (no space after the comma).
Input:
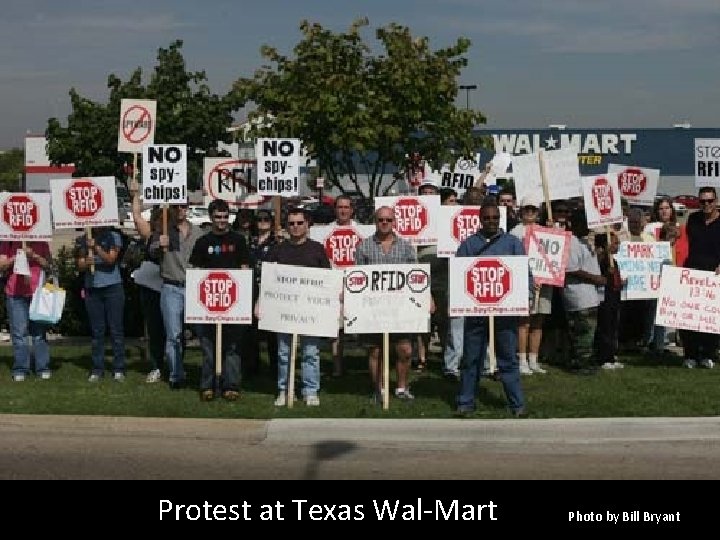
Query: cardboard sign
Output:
(548,250)
(602,200)
(84,202)
(637,184)
(232,181)
(416,217)
(137,124)
(707,162)
(481,286)
(456,223)
(340,241)
(218,296)
(300,300)
(562,173)
(392,298)
(278,167)
(164,174)
(641,264)
(25,216)
(688,299)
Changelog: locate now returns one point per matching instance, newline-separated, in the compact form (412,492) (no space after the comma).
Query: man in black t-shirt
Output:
(298,250)
(220,248)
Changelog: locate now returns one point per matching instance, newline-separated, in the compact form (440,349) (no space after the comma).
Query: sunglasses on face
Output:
(293,223)
(221,216)
(385,220)
(707,201)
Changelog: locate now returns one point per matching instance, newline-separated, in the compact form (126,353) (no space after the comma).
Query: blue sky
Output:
(584,63)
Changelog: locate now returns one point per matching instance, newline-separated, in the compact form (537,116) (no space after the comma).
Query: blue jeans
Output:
(230,369)
(453,345)
(155,331)
(172,306)
(18,309)
(106,304)
(310,347)
(474,353)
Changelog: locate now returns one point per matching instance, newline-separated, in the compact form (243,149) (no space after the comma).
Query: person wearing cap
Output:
(428,188)
(530,328)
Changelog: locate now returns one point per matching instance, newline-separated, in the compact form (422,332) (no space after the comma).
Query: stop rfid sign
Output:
(25,216)
(218,292)
(488,281)
(218,296)
(602,196)
(84,199)
(340,246)
(411,216)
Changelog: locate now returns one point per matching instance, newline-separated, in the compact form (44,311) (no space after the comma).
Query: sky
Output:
(582,63)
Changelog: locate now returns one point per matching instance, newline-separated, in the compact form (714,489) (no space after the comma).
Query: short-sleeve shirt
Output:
(309,253)
(105,274)
(227,250)
(370,251)
(579,294)
(17,285)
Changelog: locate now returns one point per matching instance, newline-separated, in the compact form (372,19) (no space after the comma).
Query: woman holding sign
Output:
(24,269)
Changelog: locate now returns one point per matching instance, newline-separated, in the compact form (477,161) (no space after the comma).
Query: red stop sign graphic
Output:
(632,182)
(411,217)
(218,292)
(340,246)
(20,213)
(487,281)
(465,223)
(83,199)
(602,196)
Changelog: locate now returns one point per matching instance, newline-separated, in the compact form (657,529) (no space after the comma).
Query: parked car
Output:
(199,215)
(690,201)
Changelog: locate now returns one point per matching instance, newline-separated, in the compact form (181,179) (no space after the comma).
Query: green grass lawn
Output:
(646,387)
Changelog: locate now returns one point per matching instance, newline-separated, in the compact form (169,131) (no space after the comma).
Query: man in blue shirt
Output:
(490,240)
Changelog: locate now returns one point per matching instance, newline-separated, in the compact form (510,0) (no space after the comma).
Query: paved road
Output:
(68,447)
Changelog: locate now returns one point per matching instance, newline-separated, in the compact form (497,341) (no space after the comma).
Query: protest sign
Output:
(637,184)
(232,181)
(457,223)
(562,173)
(602,201)
(137,124)
(25,216)
(548,250)
(416,217)
(640,263)
(340,241)
(278,167)
(164,174)
(84,202)
(688,300)
(707,162)
(218,296)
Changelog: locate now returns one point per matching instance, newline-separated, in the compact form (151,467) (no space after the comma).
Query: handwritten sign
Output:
(688,299)
(548,250)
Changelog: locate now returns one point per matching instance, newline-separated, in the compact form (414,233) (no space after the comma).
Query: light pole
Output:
(467,88)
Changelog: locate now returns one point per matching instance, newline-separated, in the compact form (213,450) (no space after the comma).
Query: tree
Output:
(187,112)
(358,113)
(12,164)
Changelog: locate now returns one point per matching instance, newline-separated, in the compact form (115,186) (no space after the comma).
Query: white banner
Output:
(416,217)
(218,296)
(164,174)
(707,162)
(84,202)
(637,184)
(641,263)
(137,124)
(387,298)
(278,167)
(562,173)
(481,286)
(232,181)
(300,300)
(688,299)
(340,242)
(602,201)
(548,250)
(25,216)
(456,223)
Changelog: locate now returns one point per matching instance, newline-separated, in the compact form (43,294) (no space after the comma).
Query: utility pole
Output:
(467,88)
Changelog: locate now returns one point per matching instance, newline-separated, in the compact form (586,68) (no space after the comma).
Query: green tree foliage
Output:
(187,112)
(360,113)
(12,164)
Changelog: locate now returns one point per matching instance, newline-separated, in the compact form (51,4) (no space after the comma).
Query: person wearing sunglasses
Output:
(298,250)
(703,234)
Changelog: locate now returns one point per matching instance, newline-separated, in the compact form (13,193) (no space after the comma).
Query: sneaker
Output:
(93,378)
(619,365)
(231,395)
(119,377)
(207,395)
(689,363)
(154,376)
(535,368)
(525,369)
(707,363)
(4,336)
(403,393)
(608,365)
(312,401)
(45,375)
(19,377)
(281,400)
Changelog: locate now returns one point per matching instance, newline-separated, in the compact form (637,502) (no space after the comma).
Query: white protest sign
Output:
(481,286)
(500,162)
(278,166)
(231,180)
(640,264)
(340,241)
(21,266)
(416,217)
(459,178)
(387,298)
(164,174)
(84,202)
(688,299)
(646,250)
(456,223)
(218,296)
(707,162)
(300,300)
(25,216)
(637,184)
(548,250)
(137,125)
(602,201)
(562,173)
